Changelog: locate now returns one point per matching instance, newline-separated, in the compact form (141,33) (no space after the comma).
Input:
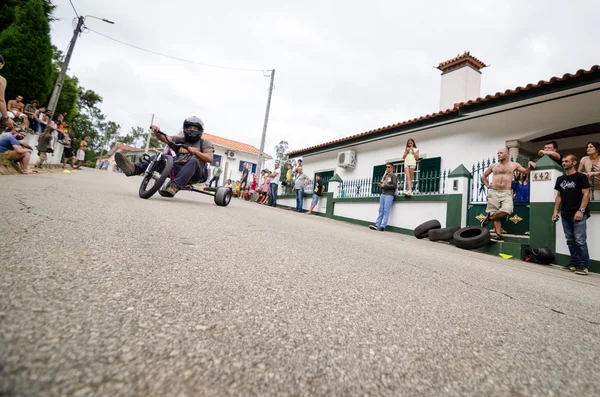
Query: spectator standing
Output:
(317,193)
(253,185)
(300,183)
(572,199)
(217,170)
(14,150)
(551,150)
(273,185)
(81,152)
(43,145)
(410,156)
(389,186)
(68,149)
(7,121)
(590,166)
(244,180)
(500,195)
(520,188)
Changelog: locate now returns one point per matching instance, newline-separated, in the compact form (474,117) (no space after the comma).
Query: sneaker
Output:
(172,189)
(570,268)
(381,229)
(497,239)
(124,164)
(582,270)
(373,227)
(486,221)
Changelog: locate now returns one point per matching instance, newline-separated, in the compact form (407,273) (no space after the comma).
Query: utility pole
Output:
(264,132)
(63,70)
(149,135)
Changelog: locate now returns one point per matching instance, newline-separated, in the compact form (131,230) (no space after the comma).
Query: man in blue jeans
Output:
(273,185)
(300,183)
(572,199)
(389,186)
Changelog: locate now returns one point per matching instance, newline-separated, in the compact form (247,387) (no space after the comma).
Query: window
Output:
(216,157)
(251,166)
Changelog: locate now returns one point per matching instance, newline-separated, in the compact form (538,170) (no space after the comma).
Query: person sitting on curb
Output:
(389,186)
(189,164)
(11,148)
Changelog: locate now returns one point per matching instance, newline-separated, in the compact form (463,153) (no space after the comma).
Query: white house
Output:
(232,155)
(107,162)
(466,130)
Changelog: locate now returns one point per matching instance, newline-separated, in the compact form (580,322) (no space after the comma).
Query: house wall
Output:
(55,158)
(403,214)
(291,202)
(231,166)
(472,140)
(593,237)
(459,85)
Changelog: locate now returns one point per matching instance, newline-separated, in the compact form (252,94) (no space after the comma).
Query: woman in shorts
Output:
(411,155)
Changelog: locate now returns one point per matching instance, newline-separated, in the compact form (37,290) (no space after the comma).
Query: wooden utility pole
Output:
(149,134)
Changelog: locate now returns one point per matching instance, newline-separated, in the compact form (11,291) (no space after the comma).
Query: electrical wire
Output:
(72,5)
(177,58)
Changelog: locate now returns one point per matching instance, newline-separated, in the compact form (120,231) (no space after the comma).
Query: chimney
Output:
(461,80)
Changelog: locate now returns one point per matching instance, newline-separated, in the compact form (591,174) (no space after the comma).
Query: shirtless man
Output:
(17,107)
(499,198)
(7,121)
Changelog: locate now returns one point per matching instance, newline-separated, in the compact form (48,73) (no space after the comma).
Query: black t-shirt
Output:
(245,175)
(319,188)
(569,187)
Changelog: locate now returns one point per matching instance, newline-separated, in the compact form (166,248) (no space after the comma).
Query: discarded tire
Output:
(471,237)
(422,231)
(443,234)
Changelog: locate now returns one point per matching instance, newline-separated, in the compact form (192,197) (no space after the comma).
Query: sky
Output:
(342,67)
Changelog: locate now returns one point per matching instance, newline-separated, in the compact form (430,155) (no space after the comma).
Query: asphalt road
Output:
(105,294)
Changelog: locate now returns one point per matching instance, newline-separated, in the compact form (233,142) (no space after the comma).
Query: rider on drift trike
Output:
(189,165)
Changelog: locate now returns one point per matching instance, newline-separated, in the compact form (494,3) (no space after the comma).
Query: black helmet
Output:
(190,135)
(542,255)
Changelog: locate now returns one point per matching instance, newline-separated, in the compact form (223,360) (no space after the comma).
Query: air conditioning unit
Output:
(231,154)
(346,159)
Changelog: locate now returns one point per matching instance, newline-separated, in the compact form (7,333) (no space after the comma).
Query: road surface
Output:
(105,294)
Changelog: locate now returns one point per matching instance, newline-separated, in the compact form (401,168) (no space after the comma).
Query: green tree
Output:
(27,51)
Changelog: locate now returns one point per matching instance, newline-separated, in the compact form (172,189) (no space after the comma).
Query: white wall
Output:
(593,237)
(459,85)
(291,202)
(469,141)
(32,140)
(406,215)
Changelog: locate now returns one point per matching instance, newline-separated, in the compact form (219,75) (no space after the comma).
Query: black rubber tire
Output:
(165,170)
(422,231)
(472,237)
(223,196)
(443,234)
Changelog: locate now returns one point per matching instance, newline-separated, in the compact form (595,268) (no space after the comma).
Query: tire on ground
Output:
(422,231)
(443,234)
(471,237)
(223,196)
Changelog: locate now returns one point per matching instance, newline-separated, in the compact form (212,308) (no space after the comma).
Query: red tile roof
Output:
(460,60)
(231,144)
(458,106)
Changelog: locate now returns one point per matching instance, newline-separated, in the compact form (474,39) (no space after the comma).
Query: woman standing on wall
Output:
(590,165)
(411,155)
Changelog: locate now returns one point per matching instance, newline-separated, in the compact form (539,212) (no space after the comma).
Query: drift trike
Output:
(159,174)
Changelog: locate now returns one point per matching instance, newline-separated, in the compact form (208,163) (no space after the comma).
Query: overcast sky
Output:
(342,67)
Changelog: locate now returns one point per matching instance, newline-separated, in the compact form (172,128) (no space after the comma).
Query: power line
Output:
(72,5)
(176,58)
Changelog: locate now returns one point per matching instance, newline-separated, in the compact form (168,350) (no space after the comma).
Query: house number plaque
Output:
(540,176)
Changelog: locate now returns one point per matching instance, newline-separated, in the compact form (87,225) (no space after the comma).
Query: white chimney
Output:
(461,80)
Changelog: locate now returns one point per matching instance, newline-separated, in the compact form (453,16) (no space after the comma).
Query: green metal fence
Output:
(428,182)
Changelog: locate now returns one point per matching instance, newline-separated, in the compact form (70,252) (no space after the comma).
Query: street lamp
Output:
(63,70)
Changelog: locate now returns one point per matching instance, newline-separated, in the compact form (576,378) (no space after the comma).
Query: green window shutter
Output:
(429,175)
(378,172)
(325,177)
